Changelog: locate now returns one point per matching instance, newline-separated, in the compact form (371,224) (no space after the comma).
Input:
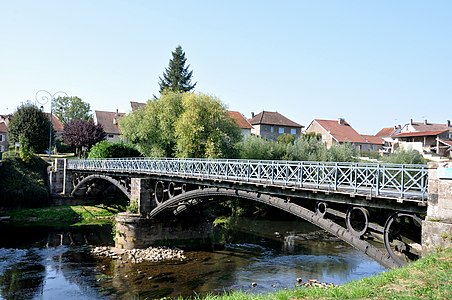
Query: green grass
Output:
(427,278)
(65,215)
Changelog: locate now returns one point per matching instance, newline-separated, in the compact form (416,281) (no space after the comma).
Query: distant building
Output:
(270,125)
(387,135)
(427,138)
(340,132)
(241,122)
(136,105)
(109,121)
(57,125)
(3,137)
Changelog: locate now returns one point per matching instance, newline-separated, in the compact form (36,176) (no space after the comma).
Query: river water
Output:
(56,263)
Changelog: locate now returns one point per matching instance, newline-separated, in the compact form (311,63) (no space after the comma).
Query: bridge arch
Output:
(183,200)
(112,180)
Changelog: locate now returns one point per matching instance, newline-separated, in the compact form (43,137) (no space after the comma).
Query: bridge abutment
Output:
(437,226)
(136,232)
(141,191)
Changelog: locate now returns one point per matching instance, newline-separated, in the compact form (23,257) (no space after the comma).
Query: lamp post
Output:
(42,97)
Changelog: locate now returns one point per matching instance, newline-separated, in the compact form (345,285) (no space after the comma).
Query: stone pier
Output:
(437,227)
(136,232)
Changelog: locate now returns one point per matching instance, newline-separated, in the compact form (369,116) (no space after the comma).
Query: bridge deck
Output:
(393,181)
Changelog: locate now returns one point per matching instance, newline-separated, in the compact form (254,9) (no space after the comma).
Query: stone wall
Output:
(437,227)
(136,232)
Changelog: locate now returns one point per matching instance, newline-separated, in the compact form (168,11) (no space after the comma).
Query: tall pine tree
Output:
(177,77)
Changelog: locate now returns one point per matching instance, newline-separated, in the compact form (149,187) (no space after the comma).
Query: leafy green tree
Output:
(71,108)
(286,138)
(402,156)
(204,129)
(177,77)
(105,149)
(184,125)
(31,127)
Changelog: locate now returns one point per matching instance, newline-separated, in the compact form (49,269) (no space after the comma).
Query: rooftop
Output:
(239,119)
(273,118)
(108,120)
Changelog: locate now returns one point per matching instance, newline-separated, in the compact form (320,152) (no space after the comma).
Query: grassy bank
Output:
(65,215)
(427,278)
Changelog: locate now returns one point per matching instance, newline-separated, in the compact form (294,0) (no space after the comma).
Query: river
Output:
(43,263)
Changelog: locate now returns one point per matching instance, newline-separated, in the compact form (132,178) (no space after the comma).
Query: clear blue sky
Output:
(374,63)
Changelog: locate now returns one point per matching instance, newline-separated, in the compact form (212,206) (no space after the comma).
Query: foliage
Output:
(204,129)
(71,108)
(306,148)
(185,125)
(105,149)
(402,156)
(427,278)
(82,135)
(286,138)
(133,206)
(24,150)
(177,77)
(23,184)
(30,123)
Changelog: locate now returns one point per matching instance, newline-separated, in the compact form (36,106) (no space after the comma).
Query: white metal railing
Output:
(384,180)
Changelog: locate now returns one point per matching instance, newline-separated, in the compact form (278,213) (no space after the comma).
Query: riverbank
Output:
(428,278)
(67,215)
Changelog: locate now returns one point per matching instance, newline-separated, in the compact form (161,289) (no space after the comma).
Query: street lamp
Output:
(42,97)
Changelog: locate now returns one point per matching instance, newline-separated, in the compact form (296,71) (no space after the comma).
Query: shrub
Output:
(106,149)
(405,157)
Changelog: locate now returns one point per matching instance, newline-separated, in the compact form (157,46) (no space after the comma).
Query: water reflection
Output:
(274,255)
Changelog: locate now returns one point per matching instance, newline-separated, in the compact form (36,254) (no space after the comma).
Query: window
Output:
(110,136)
(1,137)
(281,130)
(293,131)
(272,129)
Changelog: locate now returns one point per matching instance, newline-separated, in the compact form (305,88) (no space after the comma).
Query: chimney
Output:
(341,121)
(252,114)
(448,123)
(411,121)
(425,122)
(117,112)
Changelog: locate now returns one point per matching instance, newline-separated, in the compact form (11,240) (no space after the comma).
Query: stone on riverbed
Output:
(153,254)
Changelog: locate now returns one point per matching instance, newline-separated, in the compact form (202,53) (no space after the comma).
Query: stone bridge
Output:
(406,207)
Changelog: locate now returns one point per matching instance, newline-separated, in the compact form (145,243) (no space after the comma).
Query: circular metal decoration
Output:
(357,220)
(320,209)
(171,189)
(402,237)
(159,192)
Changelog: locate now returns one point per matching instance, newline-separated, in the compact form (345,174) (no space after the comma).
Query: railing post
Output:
(273,172)
(248,171)
(355,172)
(287,175)
(378,180)
(336,175)
(402,187)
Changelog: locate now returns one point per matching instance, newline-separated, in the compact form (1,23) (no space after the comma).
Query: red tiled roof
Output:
(421,126)
(239,119)
(56,123)
(136,105)
(372,139)
(342,133)
(387,132)
(419,133)
(273,118)
(106,119)
(3,127)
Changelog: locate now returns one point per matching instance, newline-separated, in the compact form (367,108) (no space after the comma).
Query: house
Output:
(3,140)
(387,134)
(270,125)
(109,121)
(136,105)
(340,132)
(241,122)
(57,125)
(425,137)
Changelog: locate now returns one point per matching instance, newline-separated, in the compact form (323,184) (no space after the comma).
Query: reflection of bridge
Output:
(354,201)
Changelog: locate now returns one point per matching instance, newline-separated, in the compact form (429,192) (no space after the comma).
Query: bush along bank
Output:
(23,184)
